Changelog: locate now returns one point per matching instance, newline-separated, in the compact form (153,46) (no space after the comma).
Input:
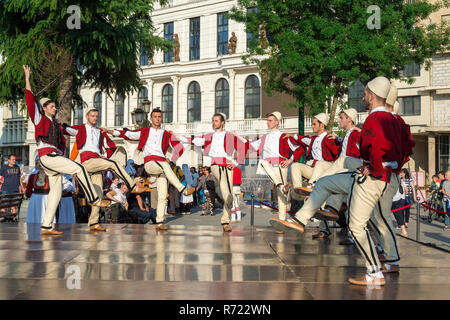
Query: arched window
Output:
(252,97)
(98,102)
(222,97)
(119,110)
(143,59)
(78,114)
(167,103)
(194,102)
(143,95)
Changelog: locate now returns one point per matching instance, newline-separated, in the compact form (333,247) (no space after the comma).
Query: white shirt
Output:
(378,109)
(93,136)
(271,148)
(345,142)
(153,145)
(316,149)
(120,197)
(217,149)
(68,184)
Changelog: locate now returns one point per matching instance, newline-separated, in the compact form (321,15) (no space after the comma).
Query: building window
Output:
(118,110)
(194,102)
(143,61)
(443,152)
(411,70)
(168,35)
(194,39)
(167,103)
(250,35)
(252,97)
(98,102)
(142,95)
(78,114)
(222,97)
(356,95)
(409,106)
(222,34)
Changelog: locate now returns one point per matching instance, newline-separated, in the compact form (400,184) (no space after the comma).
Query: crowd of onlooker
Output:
(126,206)
(439,195)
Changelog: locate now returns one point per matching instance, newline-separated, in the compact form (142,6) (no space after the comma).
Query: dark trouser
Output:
(213,195)
(174,202)
(399,215)
(406,211)
(186,207)
(142,216)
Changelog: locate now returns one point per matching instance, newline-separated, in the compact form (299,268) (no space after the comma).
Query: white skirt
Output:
(66,210)
(36,208)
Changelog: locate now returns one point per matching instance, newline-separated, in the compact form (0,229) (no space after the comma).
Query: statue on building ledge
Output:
(176,48)
(232,44)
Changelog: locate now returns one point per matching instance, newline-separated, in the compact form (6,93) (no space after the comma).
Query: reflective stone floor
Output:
(200,262)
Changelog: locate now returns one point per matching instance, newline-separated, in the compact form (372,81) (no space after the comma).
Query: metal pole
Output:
(418,222)
(252,211)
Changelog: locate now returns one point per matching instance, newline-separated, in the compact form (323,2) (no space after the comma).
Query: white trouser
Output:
(364,198)
(95,166)
(54,167)
(277,175)
(225,177)
(163,172)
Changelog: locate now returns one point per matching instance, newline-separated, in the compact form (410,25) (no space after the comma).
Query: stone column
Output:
(231,77)
(431,156)
(175,82)
(149,84)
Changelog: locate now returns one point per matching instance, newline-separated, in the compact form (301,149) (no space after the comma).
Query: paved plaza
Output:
(194,259)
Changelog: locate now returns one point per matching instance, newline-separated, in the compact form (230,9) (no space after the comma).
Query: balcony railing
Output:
(289,124)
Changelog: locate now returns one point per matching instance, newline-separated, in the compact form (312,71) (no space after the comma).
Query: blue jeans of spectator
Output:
(144,216)
(447,216)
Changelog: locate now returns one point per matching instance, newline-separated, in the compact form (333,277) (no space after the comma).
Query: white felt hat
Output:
(277,115)
(392,95)
(351,113)
(322,117)
(380,86)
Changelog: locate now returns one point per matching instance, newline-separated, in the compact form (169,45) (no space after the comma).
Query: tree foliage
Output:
(103,53)
(318,47)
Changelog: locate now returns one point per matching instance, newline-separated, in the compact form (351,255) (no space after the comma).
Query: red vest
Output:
(231,143)
(330,148)
(41,128)
(381,142)
(353,144)
(81,141)
(167,140)
(283,148)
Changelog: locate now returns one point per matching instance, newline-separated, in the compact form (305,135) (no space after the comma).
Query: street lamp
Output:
(140,114)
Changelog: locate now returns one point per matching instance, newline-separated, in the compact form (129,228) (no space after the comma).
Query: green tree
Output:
(103,53)
(315,48)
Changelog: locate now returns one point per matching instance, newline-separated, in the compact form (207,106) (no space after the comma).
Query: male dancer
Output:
(349,147)
(50,143)
(154,143)
(91,142)
(275,154)
(381,155)
(321,152)
(221,146)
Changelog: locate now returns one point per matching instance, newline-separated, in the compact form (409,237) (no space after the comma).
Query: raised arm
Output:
(126,134)
(33,108)
(70,130)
